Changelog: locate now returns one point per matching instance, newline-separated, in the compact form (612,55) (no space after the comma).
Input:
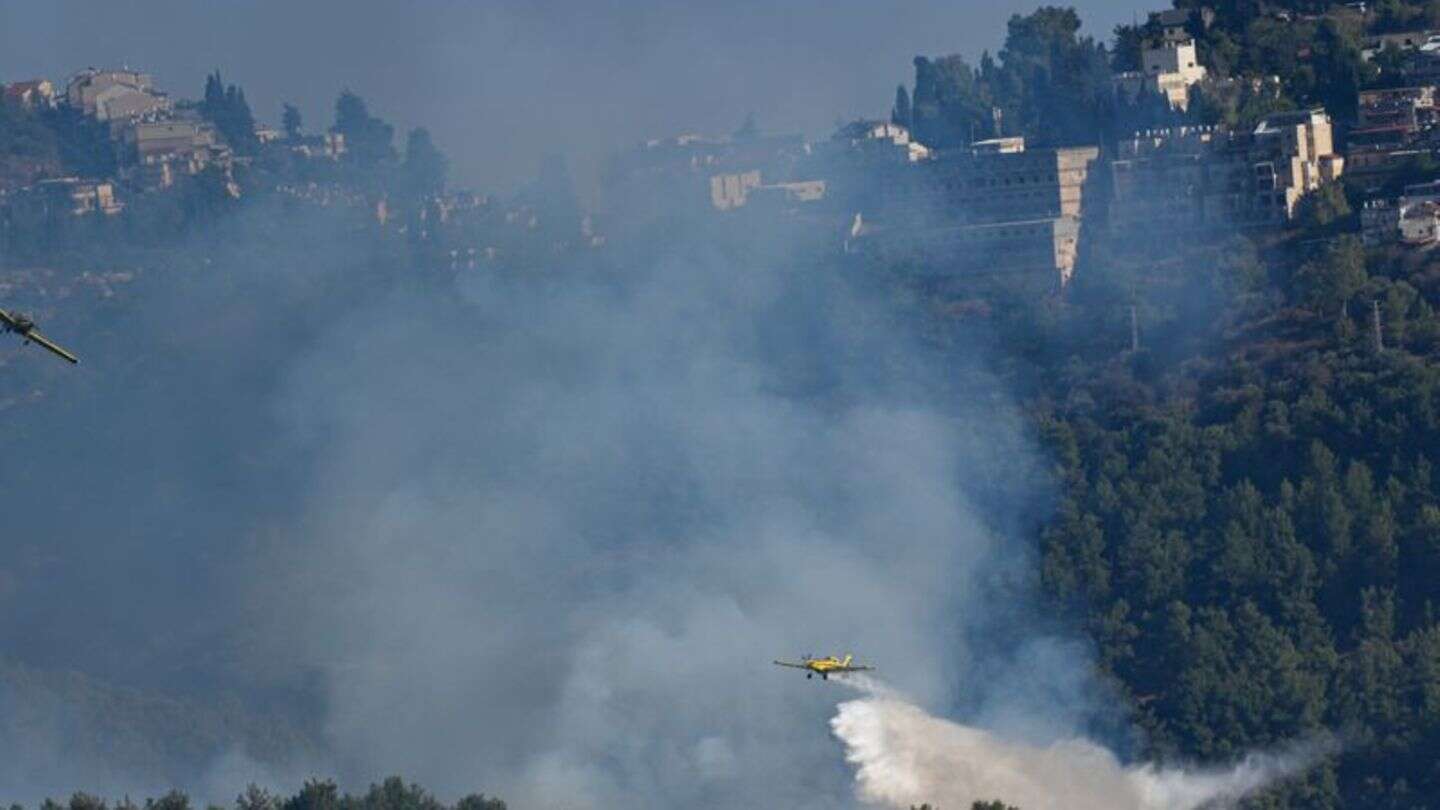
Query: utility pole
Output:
(1379,339)
(1134,330)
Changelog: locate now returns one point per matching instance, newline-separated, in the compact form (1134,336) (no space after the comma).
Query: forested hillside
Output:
(1250,518)
(1248,523)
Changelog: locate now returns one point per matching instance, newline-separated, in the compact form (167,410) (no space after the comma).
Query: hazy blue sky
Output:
(500,83)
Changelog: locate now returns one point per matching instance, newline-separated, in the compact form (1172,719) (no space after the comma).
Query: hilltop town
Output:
(1178,138)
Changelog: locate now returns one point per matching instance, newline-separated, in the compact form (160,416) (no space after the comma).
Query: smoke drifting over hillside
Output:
(558,532)
(535,536)
(904,757)
(541,537)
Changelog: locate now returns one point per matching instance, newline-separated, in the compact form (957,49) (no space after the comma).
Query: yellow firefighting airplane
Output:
(825,666)
(25,328)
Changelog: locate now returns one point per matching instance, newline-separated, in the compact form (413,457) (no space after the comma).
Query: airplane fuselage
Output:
(25,328)
(824,667)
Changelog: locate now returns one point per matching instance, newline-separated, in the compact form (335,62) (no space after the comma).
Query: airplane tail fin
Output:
(847,660)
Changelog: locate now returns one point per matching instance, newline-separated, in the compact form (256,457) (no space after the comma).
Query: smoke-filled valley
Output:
(541,537)
(536,536)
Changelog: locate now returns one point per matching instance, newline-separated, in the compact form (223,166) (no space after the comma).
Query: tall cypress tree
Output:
(900,113)
(368,140)
(226,107)
(291,121)
(425,165)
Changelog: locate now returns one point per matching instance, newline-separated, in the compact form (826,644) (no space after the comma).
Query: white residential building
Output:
(1168,68)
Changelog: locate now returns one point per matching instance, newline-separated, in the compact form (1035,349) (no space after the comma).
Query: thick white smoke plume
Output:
(904,757)
(543,538)
(559,532)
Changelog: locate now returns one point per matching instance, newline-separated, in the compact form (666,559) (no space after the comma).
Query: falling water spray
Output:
(905,757)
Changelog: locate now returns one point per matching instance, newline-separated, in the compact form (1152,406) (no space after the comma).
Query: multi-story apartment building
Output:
(1407,108)
(1189,179)
(1394,127)
(997,181)
(994,207)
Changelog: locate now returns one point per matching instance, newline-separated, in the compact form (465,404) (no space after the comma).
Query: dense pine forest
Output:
(1251,529)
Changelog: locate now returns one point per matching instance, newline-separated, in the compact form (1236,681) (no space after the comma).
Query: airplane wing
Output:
(45,343)
(7,319)
(857,669)
(788,664)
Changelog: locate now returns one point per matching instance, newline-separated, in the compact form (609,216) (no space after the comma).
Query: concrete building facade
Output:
(1168,69)
(1407,108)
(80,92)
(149,140)
(1188,179)
(120,103)
(996,207)
(980,186)
(1395,126)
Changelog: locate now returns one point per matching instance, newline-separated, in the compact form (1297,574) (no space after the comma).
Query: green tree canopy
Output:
(369,141)
(1327,283)
(226,107)
(1050,84)
(425,166)
(291,121)
(1320,212)
(900,111)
